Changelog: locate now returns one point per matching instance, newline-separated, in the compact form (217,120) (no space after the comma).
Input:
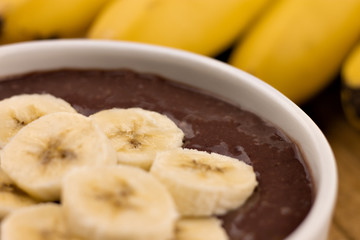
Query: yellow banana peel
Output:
(43,19)
(7,6)
(299,45)
(350,89)
(202,26)
(351,68)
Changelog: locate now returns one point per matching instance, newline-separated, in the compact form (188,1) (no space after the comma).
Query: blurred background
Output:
(307,49)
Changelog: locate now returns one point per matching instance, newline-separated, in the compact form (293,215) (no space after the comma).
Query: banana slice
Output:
(200,229)
(137,134)
(39,222)
(42,152)
(203,184)
(18,111)
(118,203)
(11,197)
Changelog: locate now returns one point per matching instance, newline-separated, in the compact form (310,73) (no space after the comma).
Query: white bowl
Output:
(213,76)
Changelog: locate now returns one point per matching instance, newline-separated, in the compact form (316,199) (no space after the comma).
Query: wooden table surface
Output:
(326,111)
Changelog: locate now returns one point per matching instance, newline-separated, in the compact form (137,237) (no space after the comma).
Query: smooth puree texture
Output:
(284,195)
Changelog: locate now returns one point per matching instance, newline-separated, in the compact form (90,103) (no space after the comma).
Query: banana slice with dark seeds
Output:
(204,184)
(138,134)
(40,222)
(41,153)
(120,202)
(20,110)
(11,197)
(207,228)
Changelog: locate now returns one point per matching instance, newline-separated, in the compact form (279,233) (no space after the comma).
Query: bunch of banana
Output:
(26,20)
(298,46)
(350,91)
(117,174)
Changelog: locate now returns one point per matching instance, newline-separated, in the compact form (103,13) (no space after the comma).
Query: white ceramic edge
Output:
(316,224)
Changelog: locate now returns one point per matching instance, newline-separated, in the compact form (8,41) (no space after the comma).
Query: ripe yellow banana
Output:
(299,45)
(7,6)
(350,92)
(42,19)
(202,26)
(351,68)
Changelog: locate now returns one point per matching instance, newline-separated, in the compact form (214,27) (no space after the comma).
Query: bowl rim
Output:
(326,191)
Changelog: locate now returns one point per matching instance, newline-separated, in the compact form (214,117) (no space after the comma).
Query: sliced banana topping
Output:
(40,154)
(18,111)
(41,222)
(11,197)
(208,228)
(137,134)
(120,202)
(47,150)
(203,184)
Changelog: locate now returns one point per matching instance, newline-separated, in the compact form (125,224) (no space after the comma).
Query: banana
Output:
(137,134)
(200,229)
(350,89)
(7,6)
(18,111)
(42,152)
(40,222)
(204,184)
(116,203)
(298,46)
(202,26)
(11,197)
(350,70)
(44,19)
